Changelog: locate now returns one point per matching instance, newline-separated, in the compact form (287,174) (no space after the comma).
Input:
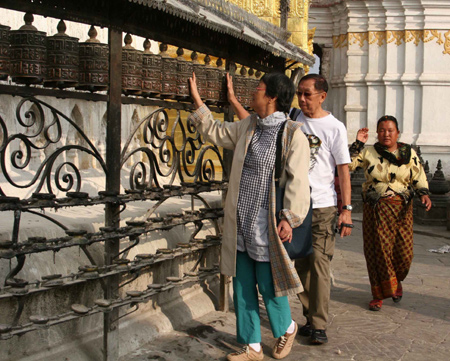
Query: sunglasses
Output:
(306,94)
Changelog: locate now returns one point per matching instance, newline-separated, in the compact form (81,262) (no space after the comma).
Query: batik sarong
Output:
(388,244)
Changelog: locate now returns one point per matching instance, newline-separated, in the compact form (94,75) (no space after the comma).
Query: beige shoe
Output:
(246,354)
(283,346)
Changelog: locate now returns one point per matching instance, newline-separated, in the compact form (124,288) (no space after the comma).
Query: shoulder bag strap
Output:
(278,153)
(294,113)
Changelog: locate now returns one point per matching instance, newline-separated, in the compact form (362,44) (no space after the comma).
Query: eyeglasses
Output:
(306,94)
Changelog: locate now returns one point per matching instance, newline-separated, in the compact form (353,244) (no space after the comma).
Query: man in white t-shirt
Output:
(314,271)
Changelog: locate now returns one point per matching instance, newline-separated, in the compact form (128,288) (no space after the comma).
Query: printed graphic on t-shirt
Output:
(314,146)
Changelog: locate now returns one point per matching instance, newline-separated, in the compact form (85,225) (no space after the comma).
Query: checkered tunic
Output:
(253,234)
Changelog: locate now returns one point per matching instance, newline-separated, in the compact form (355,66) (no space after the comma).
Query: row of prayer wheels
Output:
(28,56)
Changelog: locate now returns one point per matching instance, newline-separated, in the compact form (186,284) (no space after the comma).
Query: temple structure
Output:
(388,57)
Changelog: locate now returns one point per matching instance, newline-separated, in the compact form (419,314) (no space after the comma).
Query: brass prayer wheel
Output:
(4,52)
(28,53)
(184,72)
(131,68)
(200,75)
(169,73)
(151,72)
(62,59)
(258,75)
(247,87)
(252,83)
(212,82)
(221,77)
(239,87)
(94,64)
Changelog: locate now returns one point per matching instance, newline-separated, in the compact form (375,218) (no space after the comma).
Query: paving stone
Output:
(416,329)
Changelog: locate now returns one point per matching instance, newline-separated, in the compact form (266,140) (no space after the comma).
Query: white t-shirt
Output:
(333,151)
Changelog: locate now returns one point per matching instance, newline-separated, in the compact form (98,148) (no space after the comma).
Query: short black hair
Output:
(280,86)
(387,118)
(320,83)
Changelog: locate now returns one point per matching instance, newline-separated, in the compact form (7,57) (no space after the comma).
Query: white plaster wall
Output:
(405,74)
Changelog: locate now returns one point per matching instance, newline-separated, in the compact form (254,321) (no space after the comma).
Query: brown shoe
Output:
(283,346)
(246,354)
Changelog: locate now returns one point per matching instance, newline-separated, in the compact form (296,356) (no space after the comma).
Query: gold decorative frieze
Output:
(378,37)
(414,35)
(340,41)
(358,38)
(397,37)
(447,43)
(431,35)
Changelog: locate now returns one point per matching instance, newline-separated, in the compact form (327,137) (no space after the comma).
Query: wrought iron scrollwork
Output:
(38,135)
(169,156)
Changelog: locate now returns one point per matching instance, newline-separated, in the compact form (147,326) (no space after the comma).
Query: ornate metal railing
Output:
(173,161)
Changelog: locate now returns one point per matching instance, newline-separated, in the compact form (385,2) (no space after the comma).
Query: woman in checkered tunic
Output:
(393,174)
(252,250)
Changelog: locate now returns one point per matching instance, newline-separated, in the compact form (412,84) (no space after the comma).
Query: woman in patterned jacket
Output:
(393,174)
(252,251)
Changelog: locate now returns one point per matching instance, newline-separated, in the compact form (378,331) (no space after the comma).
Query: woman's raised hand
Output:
(230,90)
(362,135)
(194,91)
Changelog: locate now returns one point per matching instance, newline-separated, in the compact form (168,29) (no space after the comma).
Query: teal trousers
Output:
(249,275)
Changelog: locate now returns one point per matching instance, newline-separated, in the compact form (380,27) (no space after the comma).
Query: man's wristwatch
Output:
(348,207)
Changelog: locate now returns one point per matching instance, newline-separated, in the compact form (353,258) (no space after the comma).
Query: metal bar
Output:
(140,267)
(26,91)
(112,211)
(166,104)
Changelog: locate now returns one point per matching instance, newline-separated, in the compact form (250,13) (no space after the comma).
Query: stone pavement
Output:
(416,329)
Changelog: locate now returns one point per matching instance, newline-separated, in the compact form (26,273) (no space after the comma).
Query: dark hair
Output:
(280,86)
(320,83)
(387,118)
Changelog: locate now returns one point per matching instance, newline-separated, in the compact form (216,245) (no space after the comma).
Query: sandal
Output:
(398,294)
(375,305)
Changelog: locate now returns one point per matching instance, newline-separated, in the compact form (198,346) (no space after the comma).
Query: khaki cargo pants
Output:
(314,271)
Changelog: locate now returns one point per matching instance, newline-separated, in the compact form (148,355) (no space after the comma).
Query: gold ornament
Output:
(395,35)
(433,34)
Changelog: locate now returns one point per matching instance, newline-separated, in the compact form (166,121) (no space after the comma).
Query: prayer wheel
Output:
(252,84)
(184,72)
(212,82)
(151,72)
(62,59)
(169,73)
(248,87)
(200,74)
(94,64)
(221,77)
(239,86)
(4,52)
(28,53)
(131,68)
